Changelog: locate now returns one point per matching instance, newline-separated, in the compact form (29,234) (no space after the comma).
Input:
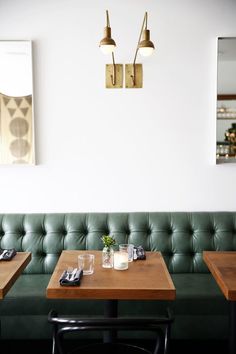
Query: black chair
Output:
(65,325)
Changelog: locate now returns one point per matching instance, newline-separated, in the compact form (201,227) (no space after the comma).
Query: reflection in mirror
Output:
(16,112)
(226,101)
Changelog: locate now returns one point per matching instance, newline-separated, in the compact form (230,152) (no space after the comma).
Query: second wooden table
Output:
(223,268)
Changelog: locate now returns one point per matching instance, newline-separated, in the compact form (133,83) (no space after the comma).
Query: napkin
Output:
(71,278)
(7,254)
(139,253)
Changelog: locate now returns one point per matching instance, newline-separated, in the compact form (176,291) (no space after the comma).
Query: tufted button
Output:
(128,232)
(64,232)
(23,233)
(170,254)
(85,232)
(212,231)
(44,233)
(170,231)
(2,233)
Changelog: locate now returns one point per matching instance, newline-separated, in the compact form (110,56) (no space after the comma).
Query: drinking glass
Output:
(86,262)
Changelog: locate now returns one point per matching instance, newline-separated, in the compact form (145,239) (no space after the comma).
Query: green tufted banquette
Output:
(180,236)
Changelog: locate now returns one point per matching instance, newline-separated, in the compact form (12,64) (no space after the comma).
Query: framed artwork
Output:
(16,103)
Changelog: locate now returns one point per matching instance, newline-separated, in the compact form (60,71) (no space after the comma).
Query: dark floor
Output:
(180,347)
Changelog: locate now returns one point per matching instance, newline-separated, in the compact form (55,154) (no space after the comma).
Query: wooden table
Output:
(10,271)
(144,280)
(223,268)
(148,279)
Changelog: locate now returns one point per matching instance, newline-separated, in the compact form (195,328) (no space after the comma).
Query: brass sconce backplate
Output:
(129,76)
(110,75)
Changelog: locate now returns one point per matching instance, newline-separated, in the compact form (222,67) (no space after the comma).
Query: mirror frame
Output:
(17,142)
(225,149)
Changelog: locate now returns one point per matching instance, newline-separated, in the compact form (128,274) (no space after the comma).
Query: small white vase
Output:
(107,257)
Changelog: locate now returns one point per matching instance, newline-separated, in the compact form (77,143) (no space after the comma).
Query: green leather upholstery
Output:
(180,236)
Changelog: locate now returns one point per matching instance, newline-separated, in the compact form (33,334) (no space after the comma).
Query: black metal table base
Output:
(232,328)
(110,310)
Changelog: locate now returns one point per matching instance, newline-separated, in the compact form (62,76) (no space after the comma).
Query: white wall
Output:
(121,150)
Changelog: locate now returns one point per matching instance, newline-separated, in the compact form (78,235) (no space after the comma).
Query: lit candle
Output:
(120,260)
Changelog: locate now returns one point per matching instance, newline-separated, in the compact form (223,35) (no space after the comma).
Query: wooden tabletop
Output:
(223,268)
(144,279)
(10,271)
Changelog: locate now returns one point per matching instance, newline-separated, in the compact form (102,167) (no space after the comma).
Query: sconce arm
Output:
(136,52)
(108,20)
(113,77)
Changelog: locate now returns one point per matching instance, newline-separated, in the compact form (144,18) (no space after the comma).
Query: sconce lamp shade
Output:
(107,44)
(145,46)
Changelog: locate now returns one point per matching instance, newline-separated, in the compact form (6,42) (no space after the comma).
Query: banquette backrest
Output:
(180,236)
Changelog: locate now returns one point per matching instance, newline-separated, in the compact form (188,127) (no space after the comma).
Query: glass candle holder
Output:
(121,260)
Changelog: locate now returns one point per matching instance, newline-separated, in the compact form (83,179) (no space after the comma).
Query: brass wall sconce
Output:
(114,72)
(133,72)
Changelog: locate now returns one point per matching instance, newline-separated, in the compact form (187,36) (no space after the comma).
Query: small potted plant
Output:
(108,252)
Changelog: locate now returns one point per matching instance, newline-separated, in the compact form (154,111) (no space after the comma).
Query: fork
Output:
(73,274)
(69,272)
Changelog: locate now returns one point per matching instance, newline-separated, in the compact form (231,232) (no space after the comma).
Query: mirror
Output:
(16,103)
(226,101)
